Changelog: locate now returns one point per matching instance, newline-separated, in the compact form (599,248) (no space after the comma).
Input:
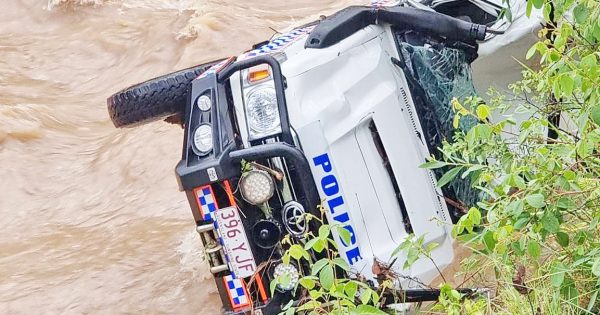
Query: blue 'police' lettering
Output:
(331,188)
(353,255)
(334,203)
(323,161)
(330,185)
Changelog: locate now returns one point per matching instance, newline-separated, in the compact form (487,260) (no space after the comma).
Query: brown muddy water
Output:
(91,219)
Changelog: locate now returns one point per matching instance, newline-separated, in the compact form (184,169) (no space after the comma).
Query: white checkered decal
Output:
(237,292)
(207,202)
(278,44)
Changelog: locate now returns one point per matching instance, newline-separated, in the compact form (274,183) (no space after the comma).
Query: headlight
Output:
(204,103)
(203,142)
(262,112)
(288,274)
(257,187)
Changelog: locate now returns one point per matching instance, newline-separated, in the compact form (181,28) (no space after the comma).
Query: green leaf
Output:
(365,296)
(344,235)
(528,10)
(515,180)
(595,114)
(557,274)
(592,302)
(316,267)
(550,222)
(324,231)
(351,288)
(569,291)
(316,294)
(286,258)
(473,168)
(567,84)
(484,132)
(569,175)
(565,203)
(562,238)
(433,164)
(472,136)
(308,283)
(483,111)
(326,277)
(589,63)
(515,207)
(296,251)
(448,176)
(368,310)
(285,279)
(581,13)
(319,245)
(547,11)
(537,3)
(340,262)
(536,200)
(431,246)
(596,267)
(521,223)
(507,13)
(311,305)
(467,238)
(456,121)
(489,241)
(475,215)
(375,297)
(288,305)
(585,148)
(311,243)
(533,248)
(273,285)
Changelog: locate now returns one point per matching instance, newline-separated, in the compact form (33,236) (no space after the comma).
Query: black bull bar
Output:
(227,157)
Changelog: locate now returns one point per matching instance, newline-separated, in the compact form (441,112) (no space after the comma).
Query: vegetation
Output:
(536,230)
(535,233)
(324,290)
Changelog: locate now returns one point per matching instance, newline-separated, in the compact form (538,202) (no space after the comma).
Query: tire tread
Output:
(154,99)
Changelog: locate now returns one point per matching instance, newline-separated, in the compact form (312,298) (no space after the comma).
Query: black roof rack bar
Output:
(346,22)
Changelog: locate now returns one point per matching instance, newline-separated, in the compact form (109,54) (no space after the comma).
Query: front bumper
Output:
(219,173)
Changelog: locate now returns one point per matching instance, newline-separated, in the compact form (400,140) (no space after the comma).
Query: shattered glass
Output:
(437,74)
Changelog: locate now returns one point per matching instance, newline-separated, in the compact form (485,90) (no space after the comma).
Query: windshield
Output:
(436,74)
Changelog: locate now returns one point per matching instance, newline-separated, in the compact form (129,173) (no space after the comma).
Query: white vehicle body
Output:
(348,110)
(340,113)
(351,84)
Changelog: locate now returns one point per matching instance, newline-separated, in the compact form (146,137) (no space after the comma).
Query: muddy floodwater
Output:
(91,219)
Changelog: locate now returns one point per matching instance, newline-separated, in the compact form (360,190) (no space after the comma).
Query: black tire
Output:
(154,99)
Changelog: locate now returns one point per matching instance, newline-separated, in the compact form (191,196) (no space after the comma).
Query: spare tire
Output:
(154,99)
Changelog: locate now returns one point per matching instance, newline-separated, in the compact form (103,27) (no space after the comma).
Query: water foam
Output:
(72,3)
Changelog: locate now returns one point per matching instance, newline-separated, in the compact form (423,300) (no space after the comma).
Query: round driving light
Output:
(262,111)
(203,142)
(204,103)
(257,187)
(285,272)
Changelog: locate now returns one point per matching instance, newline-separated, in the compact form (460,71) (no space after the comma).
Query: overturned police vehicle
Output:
(340,112)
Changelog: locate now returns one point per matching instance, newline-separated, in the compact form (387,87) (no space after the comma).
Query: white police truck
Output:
(340,113)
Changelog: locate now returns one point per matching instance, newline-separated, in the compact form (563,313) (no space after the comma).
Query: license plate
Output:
(235,242)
